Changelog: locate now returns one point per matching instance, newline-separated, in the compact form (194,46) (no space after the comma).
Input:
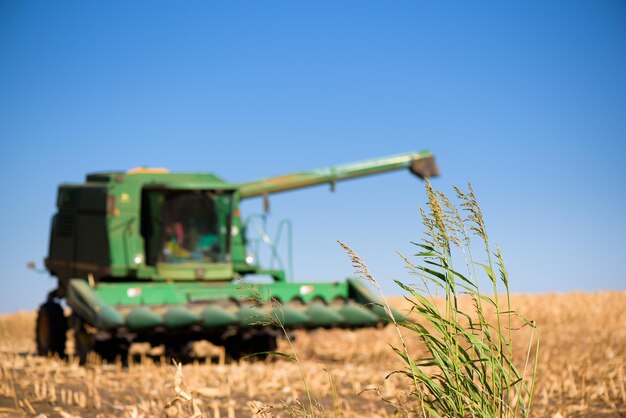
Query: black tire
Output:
(109,349)
(251,347)
(83,343)
(50,330)
(180,352)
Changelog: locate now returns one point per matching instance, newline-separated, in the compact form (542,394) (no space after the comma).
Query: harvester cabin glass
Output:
(181,226)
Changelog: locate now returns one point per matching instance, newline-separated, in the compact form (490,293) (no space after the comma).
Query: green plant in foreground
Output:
(469,370)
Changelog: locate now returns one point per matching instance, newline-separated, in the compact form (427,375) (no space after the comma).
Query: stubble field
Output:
(580,371)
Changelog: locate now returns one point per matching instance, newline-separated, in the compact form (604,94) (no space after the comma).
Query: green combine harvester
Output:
(152,256)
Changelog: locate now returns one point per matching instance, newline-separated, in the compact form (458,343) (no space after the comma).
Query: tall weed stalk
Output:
(469,369)
(276,318)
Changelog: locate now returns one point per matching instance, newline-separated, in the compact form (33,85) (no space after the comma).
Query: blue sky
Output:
(527,100)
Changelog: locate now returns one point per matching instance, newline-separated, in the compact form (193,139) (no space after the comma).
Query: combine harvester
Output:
(159,257)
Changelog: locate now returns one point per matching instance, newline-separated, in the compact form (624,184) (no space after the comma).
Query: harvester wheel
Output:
(83,343)
(51,329)
(181,352)
(255,347)
(111,349)
(108,349)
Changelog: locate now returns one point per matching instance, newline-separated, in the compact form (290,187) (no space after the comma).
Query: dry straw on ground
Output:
(581,371)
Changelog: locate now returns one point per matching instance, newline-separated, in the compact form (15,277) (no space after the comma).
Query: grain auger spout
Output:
(422,164)
(146,255)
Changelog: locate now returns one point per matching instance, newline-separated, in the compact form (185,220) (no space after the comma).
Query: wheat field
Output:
(580,371)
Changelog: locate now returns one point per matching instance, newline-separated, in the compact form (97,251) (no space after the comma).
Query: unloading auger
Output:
(152,256)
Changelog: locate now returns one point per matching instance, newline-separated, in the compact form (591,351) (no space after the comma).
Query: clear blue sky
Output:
(527,100)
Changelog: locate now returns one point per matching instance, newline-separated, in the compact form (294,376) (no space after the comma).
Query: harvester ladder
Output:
(259,223)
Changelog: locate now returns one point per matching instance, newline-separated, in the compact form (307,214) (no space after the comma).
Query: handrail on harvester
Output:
(422,164)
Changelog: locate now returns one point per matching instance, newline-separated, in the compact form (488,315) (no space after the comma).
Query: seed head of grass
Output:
(360,268)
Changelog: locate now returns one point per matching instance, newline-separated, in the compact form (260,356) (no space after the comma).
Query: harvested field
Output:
(580,373)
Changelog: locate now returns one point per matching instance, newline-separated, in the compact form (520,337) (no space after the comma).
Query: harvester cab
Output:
(152,256)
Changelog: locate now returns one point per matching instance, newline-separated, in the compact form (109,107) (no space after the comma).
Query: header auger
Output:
(150,256)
